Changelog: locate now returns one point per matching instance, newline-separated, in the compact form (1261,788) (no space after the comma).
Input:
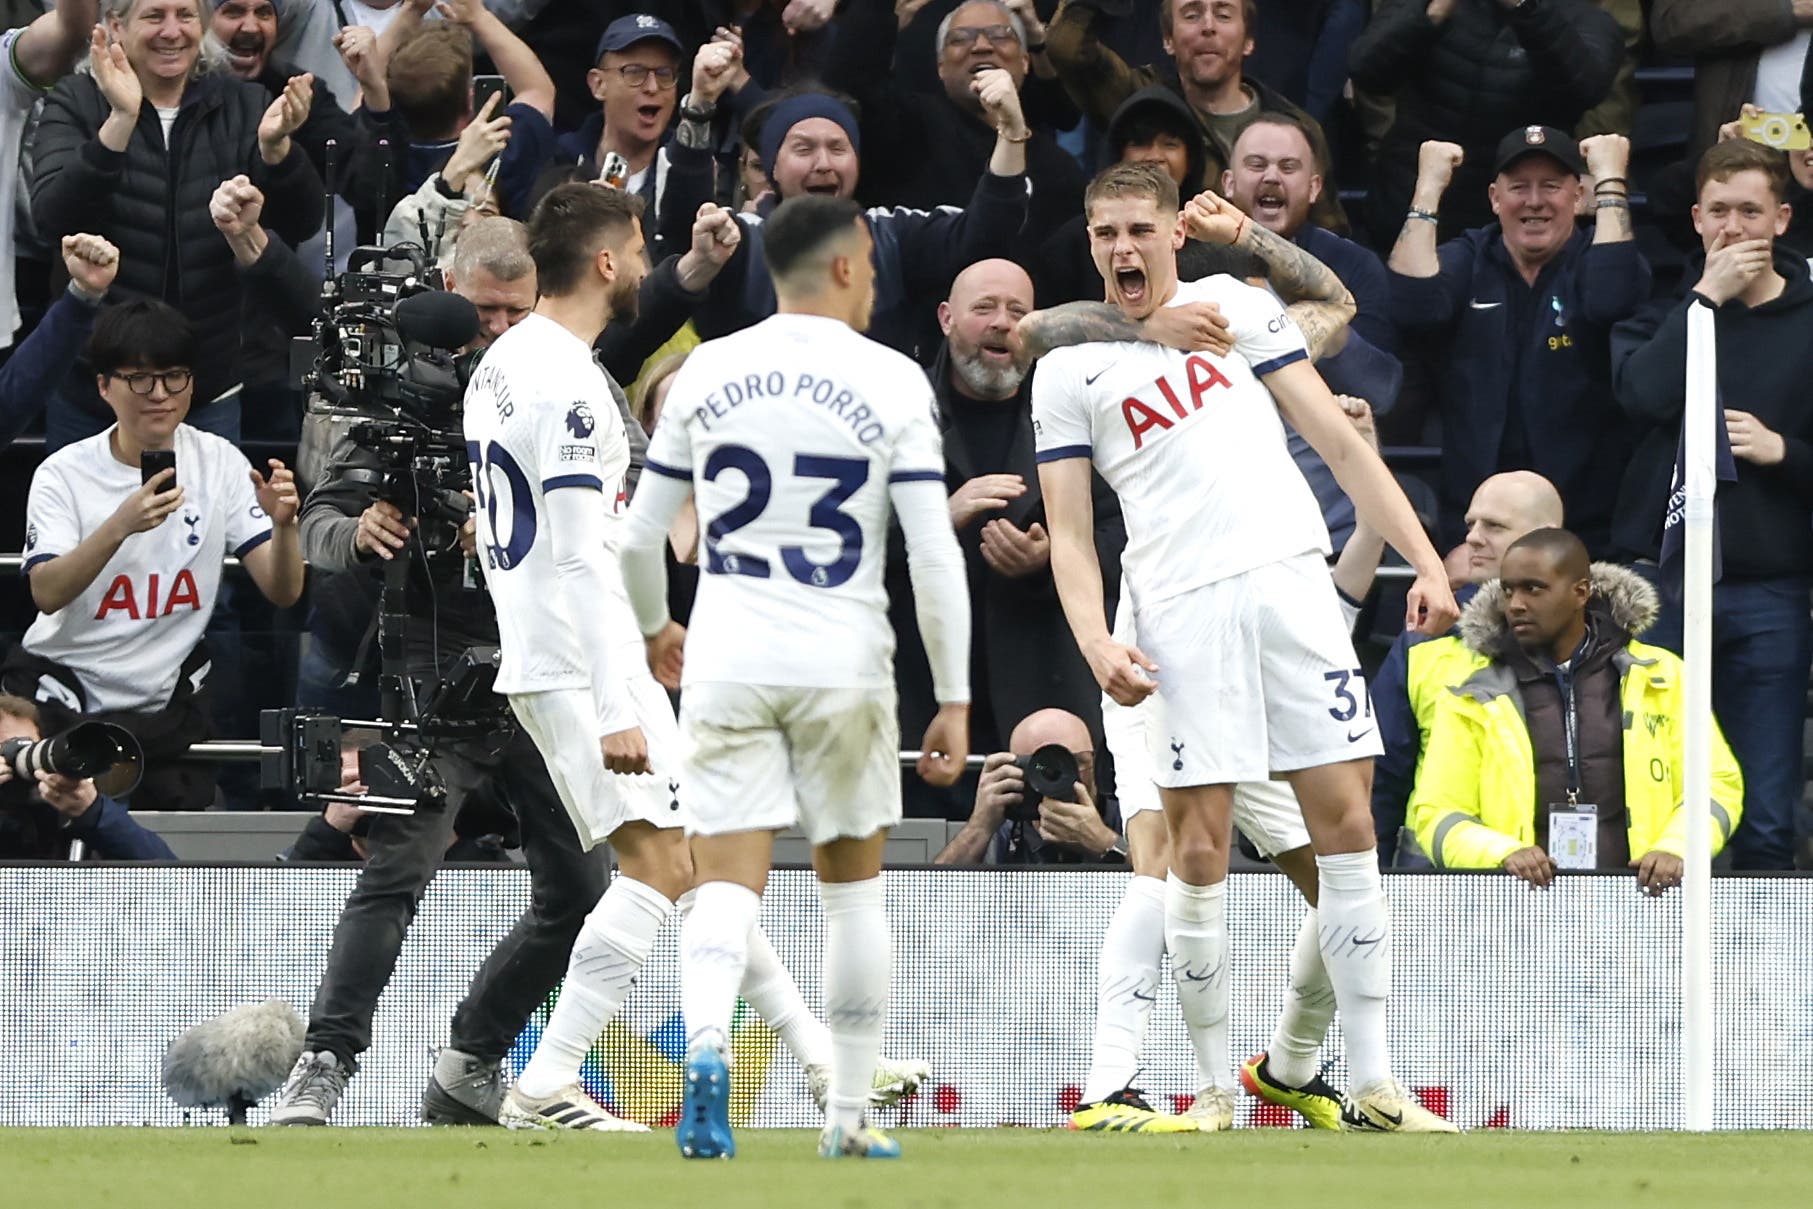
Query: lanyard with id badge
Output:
(1573,824)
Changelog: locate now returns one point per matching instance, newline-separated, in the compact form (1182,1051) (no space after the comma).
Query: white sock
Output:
(613,943)
(771,991)
(1126,986)
(857,954)
(1356,948)
(1309,1004)
(1196,933)
(714,947)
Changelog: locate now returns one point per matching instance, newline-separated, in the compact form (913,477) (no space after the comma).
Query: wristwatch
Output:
(1118,849)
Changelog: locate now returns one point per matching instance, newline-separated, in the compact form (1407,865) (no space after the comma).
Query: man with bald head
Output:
(1010,826)
(492,270)
(1419,669)
(1023,657)
(1561,747)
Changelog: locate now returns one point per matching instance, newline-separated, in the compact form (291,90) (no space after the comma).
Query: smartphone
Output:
(1783,131)
(484,87)
(153,462)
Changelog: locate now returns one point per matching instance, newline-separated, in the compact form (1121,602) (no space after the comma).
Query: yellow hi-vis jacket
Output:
(1475,797)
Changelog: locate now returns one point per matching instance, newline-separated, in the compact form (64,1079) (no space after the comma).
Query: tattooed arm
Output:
(1192,327)
(1607,159)
(1313,295)
(1414,254)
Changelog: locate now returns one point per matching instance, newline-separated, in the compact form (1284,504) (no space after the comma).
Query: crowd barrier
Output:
(1512,1008)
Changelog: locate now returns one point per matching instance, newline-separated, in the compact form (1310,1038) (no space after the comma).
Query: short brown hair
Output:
(568,227)
(430,78)
(1722,161)
(1133,180)
(1249,15)
(20,708)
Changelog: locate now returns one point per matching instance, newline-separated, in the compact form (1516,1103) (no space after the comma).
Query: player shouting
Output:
(1238,631)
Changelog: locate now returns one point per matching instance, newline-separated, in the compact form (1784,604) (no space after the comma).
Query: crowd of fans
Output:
(1457,173)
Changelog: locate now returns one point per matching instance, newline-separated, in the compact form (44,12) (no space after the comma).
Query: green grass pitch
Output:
(962,1169)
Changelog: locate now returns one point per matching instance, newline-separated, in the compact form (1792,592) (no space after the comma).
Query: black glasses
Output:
(175,381)
(962,36)
(636,75)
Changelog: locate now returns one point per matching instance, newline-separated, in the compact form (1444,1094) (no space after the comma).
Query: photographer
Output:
(39,822)
(1014,824)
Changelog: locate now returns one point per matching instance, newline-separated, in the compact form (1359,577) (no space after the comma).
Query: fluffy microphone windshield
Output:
(234,1060)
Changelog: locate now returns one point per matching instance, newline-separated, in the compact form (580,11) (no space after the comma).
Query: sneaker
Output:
(1385,1108)
(861,1143)
(463,1090)
(894,1082)
(704,1129)
(1213,1111)
(1316,1102)
(568,1108)
(314,1087)
(1126,1111)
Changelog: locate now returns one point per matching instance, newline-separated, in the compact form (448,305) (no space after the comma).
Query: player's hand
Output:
(1753,440)
(625,752)
(149,506)
(1194,327)
(1214,219)
(1429,607)
(1015,552)
(277,495)
(1359,414)
(469,531)
(665,655)
(984,493)
(996,92)
(1001,785)
(1657,871)
(483,137)
(945,750)
(1077,823)
(382,529)
(1531,865)
(71,797)
(92,262)
(1436,163)
(1731,265)
(1123,671)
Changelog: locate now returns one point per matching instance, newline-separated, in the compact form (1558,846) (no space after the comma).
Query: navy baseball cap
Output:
(625,32)
(1558,145)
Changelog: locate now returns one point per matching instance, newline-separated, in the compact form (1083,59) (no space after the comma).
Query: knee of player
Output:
(1197,852)
(659,860)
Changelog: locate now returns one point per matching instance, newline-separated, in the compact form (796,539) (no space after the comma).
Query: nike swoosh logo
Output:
(1477,305)
(1353,738)
(1393,1118)
(1090,380)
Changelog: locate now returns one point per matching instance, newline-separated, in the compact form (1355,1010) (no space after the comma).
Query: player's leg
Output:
(1200,829)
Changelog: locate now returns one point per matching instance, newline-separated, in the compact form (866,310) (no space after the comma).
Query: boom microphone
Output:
(234,1060)
(438,319)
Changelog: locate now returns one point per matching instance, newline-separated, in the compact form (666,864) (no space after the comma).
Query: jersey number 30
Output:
(847,477)
(501,553)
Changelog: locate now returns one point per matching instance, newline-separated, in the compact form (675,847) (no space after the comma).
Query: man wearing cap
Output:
(1525,307)
(810,143)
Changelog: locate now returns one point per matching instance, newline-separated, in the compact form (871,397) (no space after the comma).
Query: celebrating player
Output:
(797,434)
(544,437)
(1238,631)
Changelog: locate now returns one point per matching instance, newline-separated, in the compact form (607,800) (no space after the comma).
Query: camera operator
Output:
(38,822)
(1014,824)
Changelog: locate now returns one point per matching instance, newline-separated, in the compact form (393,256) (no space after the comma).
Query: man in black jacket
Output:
(1762,302)
(133,152)
(1464,72)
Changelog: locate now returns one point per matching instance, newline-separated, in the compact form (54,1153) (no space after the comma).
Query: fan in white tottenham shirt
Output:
(127,633)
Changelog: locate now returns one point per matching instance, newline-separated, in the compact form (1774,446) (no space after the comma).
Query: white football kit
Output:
(540,421)
(1226,549)
(795,437)
(127,634)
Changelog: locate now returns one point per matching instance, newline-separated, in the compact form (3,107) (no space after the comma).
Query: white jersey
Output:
(790,432)
(127,634)
(1192,444)
(539,417)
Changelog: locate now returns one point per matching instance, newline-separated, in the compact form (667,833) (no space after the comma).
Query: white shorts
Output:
(564,725)
(1266,812)
(764,757)
(1257,675)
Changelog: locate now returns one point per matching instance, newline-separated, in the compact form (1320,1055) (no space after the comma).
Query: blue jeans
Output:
(1762,642)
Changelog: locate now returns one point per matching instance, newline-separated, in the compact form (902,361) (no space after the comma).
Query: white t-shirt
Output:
(539,416)
(375,19)
(1191,442)
(1778,74)
(17,95)
(128,633)
(790,432)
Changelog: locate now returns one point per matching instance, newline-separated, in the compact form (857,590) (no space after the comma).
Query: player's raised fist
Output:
(1123,671)
(1213,219)
(945,751)
(626,751)
(1436,162)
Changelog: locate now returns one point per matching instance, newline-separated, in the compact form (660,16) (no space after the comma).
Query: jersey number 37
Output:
(846,475)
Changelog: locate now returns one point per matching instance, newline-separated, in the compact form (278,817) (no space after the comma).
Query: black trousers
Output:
(566,882)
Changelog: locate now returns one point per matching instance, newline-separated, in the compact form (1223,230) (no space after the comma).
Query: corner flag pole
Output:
(1700,480)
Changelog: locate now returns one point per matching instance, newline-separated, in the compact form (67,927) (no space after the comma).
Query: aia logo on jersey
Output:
(124,597)
(580,422)
(1142,417)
